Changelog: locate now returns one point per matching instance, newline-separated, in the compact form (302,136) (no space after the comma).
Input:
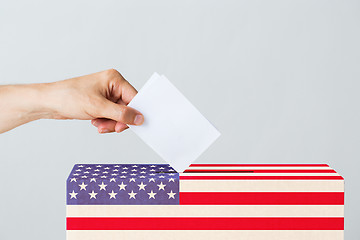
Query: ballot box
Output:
(205,202)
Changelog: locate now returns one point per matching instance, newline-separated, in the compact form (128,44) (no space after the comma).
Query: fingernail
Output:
(139,119)
(104,130)
(117,128)
(95,123)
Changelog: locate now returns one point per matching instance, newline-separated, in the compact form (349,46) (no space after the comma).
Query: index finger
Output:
(128,92)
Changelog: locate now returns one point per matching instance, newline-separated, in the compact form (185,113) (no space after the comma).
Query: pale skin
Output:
(100,97)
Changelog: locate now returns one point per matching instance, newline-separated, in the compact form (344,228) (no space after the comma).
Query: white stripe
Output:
(204,211)
(262,186)
(260,168)
(259,174)
(206,235)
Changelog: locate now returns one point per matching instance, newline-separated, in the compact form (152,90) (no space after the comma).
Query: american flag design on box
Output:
(207,201)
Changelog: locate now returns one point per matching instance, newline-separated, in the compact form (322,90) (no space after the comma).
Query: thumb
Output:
(121,113)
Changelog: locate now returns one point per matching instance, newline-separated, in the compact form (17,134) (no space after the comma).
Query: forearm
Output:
(20,104)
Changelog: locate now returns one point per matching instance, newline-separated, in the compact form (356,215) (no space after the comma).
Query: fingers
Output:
(121,113)
(119,127)
(118,87)
(111,113)
(115,117)
(128,92)
(106,125)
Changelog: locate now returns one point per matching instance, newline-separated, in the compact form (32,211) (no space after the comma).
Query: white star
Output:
(73,194)
(162,168)
(152,174)
(132,194)
(86,172)
(102,186)
(73,180)
(152,166)
(124,172)
(93,180)
(152,194)
(81,166)
(133,174)
(125,168)
(112,180)
(114,174)
(134,165)
(97,170)
(122,176)
(171,170)
(117,166)
(88,168)
(93,194)
(82,186)
(151,180)
(162,176)
(76,174)
(132,180)
(152,170)
(78,170)
(142,186)
(95,174)
(142,176)
(98,166)
(171,174)
(171,194)
(103,176)
(122,186)
(112,194)
(142,172)
(161,186)
(134,170)
(143,168)
(105,172)
(83,176)
(107,168)
(115,170)
(171,180)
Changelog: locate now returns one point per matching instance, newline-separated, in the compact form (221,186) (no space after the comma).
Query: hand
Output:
(101,97)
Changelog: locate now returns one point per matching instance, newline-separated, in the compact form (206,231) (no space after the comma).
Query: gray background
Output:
(279,79)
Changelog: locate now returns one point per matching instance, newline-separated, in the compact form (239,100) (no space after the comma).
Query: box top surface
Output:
(109,171)
(260,172)
(207,171)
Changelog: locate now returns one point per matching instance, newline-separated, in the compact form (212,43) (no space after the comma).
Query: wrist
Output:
(47,100)
(38,101)
(35,101)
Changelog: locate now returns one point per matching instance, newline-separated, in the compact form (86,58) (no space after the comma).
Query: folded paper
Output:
(173,127)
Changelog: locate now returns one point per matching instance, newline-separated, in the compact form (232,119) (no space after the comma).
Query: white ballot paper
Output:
(173,127)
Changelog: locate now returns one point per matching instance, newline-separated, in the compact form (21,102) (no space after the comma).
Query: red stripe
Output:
(259,165)
(261,178)
(201,223)
(259,171)
(261,198)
